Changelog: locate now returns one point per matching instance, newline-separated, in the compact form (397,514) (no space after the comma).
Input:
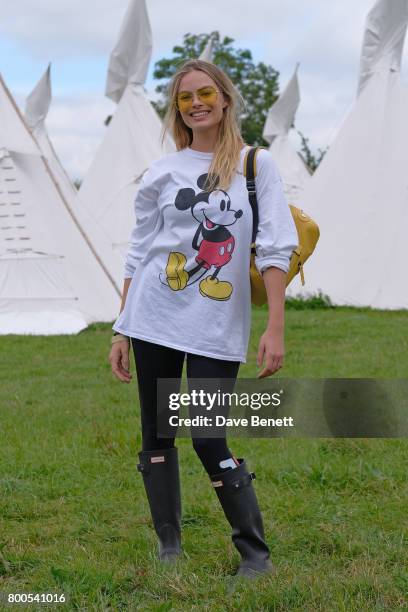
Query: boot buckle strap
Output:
(236,484)
(244,481)
(143,468)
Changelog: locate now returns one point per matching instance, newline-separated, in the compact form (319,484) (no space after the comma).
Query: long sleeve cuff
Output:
(262,263)
(128,271)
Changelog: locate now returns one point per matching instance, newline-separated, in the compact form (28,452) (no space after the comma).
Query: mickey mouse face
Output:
(211,208)
(215,210)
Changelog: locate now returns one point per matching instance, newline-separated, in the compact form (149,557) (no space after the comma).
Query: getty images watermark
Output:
(282,407)
(217,400)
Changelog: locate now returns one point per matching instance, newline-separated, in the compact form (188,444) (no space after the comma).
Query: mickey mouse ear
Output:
(206,180)
(185,198)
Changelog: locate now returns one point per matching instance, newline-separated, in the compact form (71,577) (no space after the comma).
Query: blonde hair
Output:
(229,142)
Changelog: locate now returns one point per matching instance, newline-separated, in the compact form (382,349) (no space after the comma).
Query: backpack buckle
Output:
(251,186)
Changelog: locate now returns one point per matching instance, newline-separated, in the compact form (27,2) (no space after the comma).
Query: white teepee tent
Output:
(359,193)
(208,51)
(37,107)
(50,279)
(132,142)
(294,172)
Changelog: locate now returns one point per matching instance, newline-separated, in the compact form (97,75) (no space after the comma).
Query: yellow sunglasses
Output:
(207,95)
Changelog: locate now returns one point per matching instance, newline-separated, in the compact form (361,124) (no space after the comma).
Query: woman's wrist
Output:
(118,337)
(275,328)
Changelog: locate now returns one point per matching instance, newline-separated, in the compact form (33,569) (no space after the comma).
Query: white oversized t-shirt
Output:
(189,254)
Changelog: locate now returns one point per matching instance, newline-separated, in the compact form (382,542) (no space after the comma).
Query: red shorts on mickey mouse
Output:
(215,253)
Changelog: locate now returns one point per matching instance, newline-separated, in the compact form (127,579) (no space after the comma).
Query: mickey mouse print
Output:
(212,239)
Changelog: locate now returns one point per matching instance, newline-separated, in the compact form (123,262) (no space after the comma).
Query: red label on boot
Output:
(157,459)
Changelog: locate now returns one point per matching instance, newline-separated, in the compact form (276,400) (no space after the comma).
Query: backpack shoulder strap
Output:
(250,174)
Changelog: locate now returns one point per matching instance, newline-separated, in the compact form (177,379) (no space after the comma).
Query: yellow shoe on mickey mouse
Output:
(215,289)
(177,277)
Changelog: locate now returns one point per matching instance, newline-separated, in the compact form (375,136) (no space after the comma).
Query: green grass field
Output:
(73,514)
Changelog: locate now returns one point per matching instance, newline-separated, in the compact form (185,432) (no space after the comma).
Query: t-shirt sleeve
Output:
(277,234)
(147,221)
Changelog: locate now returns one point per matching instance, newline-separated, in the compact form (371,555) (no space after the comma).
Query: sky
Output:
(77,37)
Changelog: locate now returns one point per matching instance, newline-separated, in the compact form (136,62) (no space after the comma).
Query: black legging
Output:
(155,361)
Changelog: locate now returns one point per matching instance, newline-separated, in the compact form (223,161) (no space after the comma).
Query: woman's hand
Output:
(271,349)
(119,360)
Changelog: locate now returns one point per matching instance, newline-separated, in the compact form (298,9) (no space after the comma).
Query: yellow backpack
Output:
(307,229)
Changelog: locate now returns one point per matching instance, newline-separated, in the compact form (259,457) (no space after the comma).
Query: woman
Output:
(187,293)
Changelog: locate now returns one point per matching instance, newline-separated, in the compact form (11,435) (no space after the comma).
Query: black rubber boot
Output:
(161,479)
(238,500)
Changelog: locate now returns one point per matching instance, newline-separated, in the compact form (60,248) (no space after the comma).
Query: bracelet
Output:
(118,338)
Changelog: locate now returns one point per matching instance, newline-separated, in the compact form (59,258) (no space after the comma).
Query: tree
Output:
(311,160)
(257,83)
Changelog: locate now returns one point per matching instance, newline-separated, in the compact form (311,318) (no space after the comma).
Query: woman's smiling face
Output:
(201,115)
